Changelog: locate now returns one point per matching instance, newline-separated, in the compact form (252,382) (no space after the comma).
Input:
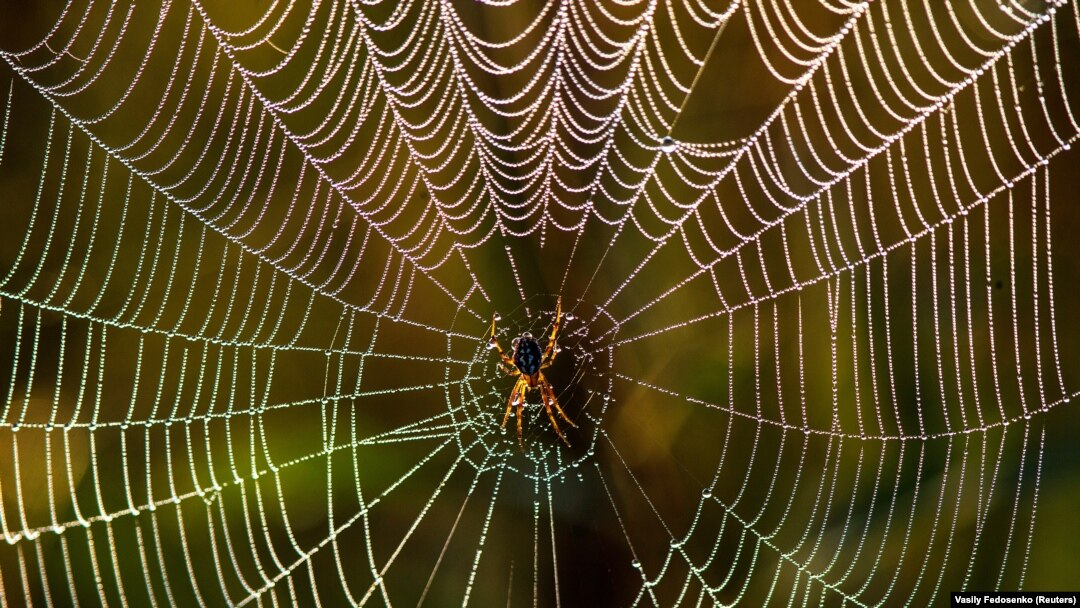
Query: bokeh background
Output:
(244,362)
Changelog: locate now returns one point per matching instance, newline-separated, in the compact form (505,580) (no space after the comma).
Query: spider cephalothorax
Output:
(527,363)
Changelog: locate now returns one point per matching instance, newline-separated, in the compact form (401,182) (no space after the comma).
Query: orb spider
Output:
(527,363)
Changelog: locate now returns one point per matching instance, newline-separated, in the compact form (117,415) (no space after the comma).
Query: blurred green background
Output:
(333,434)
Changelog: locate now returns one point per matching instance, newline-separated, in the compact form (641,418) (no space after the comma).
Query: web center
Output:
(559,395)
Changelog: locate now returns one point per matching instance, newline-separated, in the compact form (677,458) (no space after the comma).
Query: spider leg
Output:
(507,361)
(548,397)
(555,402)
(517,398)
(510,402)
(549,351)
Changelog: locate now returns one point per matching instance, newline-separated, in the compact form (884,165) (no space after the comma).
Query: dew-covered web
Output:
(817,260)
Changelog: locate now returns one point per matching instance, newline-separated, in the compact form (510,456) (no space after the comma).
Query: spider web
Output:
(817,349)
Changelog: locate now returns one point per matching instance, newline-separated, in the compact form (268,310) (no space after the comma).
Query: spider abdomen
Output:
(527,356)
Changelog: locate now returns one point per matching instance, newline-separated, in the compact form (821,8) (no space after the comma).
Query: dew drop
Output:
(667,145)
(527,336)
(58,529)
(498,317)
(706,493)
(569,316)
(636,564)
(491,344)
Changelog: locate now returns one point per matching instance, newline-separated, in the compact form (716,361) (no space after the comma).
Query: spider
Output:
(526,363)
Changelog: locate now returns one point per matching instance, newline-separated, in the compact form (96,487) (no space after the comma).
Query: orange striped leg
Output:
(506,360)
(549,351)
(549,398)
(555,402)
(510,401)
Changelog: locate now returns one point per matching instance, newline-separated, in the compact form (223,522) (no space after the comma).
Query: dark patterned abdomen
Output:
(527,357)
